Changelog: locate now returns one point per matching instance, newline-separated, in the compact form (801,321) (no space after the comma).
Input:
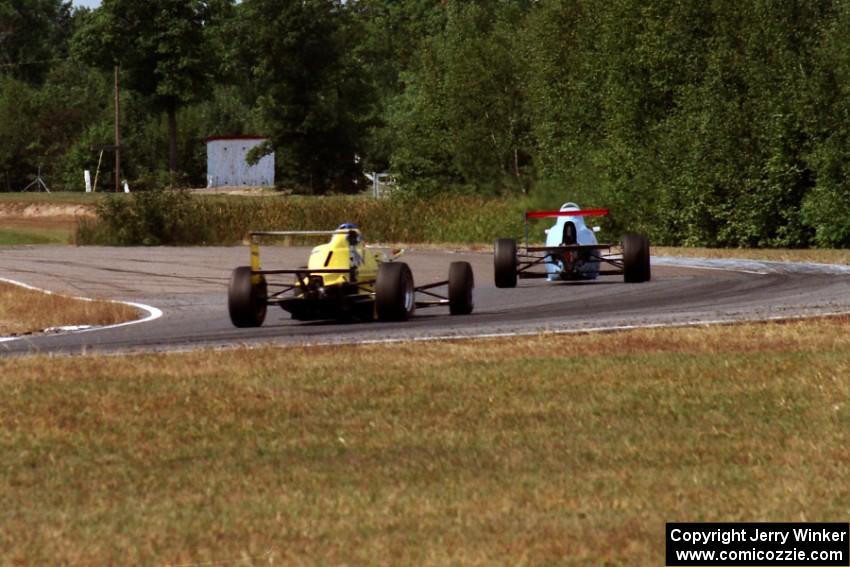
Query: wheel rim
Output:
(408,297)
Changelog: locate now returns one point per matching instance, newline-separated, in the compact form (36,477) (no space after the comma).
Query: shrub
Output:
(149,218)
(178,218)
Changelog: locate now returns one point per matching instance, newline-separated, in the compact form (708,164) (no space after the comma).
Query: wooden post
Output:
(117,132)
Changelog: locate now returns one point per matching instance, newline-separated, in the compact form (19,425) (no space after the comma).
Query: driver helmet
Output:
(353,237)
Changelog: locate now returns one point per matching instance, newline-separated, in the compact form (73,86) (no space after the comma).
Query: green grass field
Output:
(544,450)
(10,236)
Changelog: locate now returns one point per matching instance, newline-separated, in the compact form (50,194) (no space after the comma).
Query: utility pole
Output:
(117,132)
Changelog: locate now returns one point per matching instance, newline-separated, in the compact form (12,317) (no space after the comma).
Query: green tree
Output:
(160,47)
(691,119)
(827,207)
(33,35)
(40,105)
(734,146)
(461,118)
(72,98)
(310,89)
(392,33)
(17,104)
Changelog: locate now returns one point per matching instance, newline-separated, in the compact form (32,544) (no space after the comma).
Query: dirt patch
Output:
(53,211)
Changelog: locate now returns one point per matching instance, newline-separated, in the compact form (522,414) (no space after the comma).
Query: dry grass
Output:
(817,255)
(25,311)
(543,450)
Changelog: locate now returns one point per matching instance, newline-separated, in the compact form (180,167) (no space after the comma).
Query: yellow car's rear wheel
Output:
(394,292)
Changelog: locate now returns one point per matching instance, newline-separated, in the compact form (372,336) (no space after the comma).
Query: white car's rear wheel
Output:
(636,267)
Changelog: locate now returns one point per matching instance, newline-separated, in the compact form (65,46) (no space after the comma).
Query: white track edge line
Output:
(152,312)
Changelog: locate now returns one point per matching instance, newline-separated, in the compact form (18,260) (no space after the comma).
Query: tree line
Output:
(720,123)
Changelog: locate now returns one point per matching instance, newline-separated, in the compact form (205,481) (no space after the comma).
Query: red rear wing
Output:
(581,213)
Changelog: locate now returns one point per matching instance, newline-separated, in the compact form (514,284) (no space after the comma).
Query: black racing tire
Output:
(395,296)
(461,284)
(246,301)
(505,262)
(636,267)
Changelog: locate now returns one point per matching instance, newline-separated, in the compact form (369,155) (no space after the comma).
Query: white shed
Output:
(226,165)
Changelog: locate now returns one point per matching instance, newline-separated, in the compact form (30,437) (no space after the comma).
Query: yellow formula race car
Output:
(343,280)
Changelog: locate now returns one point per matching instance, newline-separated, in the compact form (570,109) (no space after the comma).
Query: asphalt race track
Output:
(189,285)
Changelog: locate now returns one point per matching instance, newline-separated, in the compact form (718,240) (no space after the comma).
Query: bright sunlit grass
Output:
(541,450)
